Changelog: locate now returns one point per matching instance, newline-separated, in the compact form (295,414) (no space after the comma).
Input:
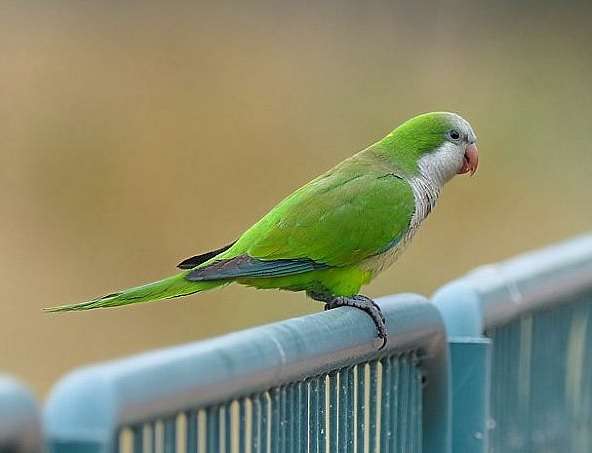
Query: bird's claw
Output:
(368,306)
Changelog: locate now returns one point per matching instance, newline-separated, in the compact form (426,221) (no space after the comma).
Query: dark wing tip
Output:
(196,260)
(190,263)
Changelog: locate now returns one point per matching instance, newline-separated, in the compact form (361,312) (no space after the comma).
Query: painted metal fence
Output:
(501,361)
(528,324)
(312,384)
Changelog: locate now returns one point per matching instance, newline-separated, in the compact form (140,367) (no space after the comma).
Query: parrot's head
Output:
(437,145)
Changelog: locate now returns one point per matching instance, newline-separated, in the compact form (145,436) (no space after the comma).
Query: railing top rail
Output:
(98,399)
(494,294)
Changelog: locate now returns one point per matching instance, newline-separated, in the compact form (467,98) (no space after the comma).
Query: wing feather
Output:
(338,219)
(246,266)
(196,260)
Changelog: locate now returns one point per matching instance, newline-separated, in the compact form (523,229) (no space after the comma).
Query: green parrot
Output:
(339,231)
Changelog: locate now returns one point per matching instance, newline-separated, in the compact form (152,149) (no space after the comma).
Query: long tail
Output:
(167,288)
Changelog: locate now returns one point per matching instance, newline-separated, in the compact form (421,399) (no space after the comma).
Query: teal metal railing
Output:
(20,421)
(527,387)
(330,412)
(500,362)
(542,381)
(311,384)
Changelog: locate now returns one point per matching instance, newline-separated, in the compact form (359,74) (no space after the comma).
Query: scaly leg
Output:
(360,302)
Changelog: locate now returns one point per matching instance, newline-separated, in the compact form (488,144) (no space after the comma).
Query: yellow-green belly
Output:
(342,281)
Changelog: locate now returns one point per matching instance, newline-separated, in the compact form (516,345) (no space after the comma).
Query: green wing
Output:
(339,219)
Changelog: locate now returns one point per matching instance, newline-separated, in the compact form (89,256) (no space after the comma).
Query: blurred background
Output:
(135,134)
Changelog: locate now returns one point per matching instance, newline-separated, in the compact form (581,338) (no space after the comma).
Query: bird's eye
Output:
(454,134)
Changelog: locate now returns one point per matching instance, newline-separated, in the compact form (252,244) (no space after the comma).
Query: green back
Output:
(356,210)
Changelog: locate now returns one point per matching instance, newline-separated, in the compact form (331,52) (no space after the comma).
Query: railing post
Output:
(84,419)
(20,426)
(470,363)
(470,366)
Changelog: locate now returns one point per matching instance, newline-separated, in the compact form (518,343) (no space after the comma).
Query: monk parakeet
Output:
(337,232)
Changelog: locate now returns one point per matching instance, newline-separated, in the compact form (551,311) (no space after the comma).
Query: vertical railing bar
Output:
(153,436)
(227,435)
(138,438)
(242,425)
(265,422)
(416,391)
(373,410)
(404,405)
(419,406)
(292,418)
(213,429)
(147,443)
(303,419)
(202,428)
(275,420)
(169,435)
(146,439)
(256,424)
(351,427)
(413,404)
(385,425)
(322,404)
(305,416)
(395,392)
(343,427)
(314,416)
(283,419)
(417,376)
(191,440)
(496,383)
(361,407)
(299,428)
(117,440)
(333,411)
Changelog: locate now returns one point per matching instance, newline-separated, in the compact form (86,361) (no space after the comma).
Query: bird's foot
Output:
(365,304)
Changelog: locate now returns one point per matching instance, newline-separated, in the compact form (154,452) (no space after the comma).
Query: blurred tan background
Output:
(134,134)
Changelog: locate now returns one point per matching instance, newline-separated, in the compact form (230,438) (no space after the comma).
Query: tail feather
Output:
(167,288)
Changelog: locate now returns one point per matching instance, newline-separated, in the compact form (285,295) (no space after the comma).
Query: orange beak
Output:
(471,160)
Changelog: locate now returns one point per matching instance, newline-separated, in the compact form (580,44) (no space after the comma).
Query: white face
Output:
(448,159)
